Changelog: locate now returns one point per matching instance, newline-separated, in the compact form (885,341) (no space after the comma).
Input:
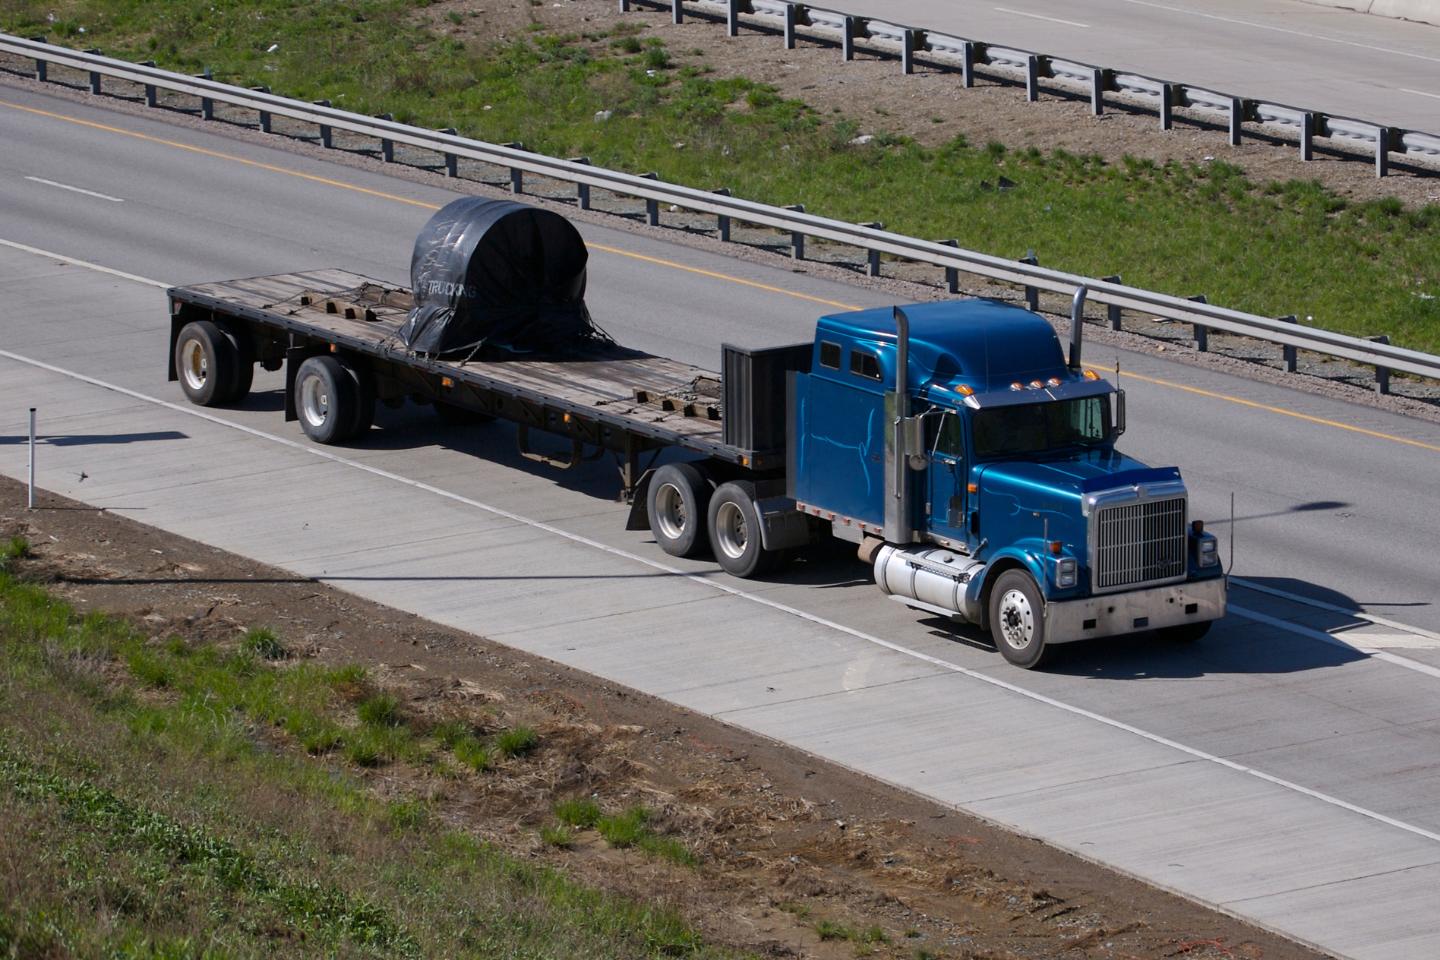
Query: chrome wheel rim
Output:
(194,367)
(1017,619)
(314,402)
(670,513)
(731,532)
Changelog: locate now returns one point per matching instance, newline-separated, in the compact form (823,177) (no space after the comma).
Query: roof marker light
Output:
(965,390)
(1017,385)
(1091,375)
(1036,384)
(1053,381)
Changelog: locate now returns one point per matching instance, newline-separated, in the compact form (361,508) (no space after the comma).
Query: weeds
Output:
(263,643)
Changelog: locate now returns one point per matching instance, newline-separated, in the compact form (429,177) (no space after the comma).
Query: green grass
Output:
(1184,228)
(583,813)
(263,643)
(159,801)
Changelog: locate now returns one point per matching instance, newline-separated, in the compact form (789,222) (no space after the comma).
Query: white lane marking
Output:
(1333,608)
(85,263)
(1335,640)
(1420,93)
(66,186)
(1039,16)
(1274,29)
(739,593)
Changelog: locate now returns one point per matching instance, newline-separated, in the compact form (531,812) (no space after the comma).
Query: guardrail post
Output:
(1288,353)
(908,42)
(722,222)
(1167,105)
(30,467)
(797,239)
(1200,332)
(517,176)
(150,96)
(1112,311)
(327,135)
(1032,78)
(967,64)
(677,12)
(582,190)
(207,105)
(94,74)
(792,12)
(1307,136)
(952,274)
(42,67)
(1032,294)
(872,256)
(847,40)
(1382,374)
(652,207)
(387,146)
(452,162)
(732,18)
(624,6)
(1383,138)
(1237,117)
(1098,84)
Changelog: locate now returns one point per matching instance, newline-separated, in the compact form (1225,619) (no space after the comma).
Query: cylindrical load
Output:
(498,274)
(933,576)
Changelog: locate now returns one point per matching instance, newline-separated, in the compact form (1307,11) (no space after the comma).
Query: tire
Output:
(1017,619)
(325,399)
(734,525)
(1184,632)
(244,362)
(364,382)
(678,503)
(207,363)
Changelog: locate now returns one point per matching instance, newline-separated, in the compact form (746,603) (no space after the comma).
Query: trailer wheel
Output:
(1017,619)
(206,360)
(364,382)
(325,399)
(735,532)
(1184,632)
(677,501)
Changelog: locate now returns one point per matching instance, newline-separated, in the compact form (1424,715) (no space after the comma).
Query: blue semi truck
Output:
(970,462)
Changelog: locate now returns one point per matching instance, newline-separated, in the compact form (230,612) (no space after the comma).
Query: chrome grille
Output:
(1140,543)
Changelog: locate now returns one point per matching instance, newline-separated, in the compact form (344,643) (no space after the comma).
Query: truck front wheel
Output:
(678,501)
(1017,619)
(735,532)
(325,398)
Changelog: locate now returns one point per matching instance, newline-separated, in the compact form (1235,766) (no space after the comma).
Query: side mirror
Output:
(1119,412)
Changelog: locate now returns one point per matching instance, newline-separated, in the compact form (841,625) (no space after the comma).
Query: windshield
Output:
(1040,427)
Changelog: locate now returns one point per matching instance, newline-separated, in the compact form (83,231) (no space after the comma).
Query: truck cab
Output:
(977,469)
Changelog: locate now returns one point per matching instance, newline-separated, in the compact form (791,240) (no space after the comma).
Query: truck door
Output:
(946,495)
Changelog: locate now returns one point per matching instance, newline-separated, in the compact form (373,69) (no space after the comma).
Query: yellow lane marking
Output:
(342,185)
(1282,411)
(722,276)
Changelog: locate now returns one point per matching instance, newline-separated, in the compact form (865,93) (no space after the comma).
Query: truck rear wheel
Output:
(208,363)
(364,382)
(678,503)
(735,532)
(1017,619)
(325,398)
(244,361)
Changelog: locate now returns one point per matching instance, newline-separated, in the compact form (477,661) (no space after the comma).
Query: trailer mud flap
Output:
(294,356)
(639,518)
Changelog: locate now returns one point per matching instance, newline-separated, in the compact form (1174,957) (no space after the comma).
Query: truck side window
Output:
(829,354)
(943,434)
(865,364)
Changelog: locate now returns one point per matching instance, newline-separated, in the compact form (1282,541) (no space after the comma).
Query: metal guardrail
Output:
(967,54)
(871,238)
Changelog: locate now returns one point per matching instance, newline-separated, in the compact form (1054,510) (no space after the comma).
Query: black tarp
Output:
(498,276)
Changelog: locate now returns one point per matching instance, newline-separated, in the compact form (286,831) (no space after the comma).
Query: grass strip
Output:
(1289,247)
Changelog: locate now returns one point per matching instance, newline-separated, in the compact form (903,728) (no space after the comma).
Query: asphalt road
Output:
(1322,58)
(1334,501)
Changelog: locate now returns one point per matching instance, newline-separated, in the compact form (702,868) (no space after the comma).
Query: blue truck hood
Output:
(1031,498)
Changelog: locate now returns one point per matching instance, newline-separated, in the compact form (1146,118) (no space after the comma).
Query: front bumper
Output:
(1110,615)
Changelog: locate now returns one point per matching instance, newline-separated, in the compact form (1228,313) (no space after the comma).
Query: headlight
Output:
(1209,552)
(1065,572)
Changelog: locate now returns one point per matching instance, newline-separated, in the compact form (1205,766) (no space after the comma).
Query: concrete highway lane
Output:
(1284,51)
(1283,769)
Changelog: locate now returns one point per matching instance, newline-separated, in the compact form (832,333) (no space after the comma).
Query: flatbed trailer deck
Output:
(601,396)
